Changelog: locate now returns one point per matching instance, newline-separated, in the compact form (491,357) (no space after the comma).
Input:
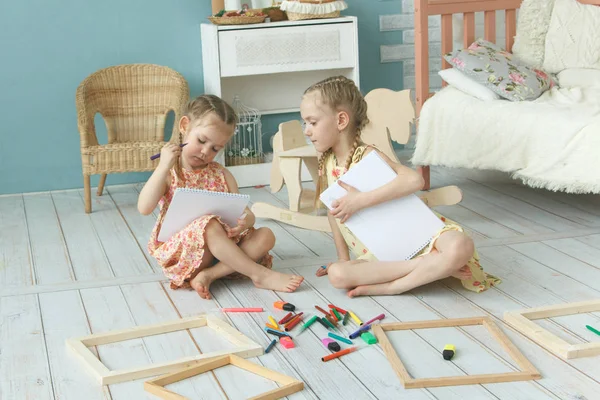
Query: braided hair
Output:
(197,109)
(340,92)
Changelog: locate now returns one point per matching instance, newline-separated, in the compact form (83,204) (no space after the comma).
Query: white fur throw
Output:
(573,38)
(532,25)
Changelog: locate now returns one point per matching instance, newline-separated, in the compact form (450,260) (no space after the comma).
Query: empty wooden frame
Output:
(522,321)
(528,370)
(80,346)
(288,385)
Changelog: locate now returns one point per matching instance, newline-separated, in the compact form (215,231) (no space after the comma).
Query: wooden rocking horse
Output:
(390,114)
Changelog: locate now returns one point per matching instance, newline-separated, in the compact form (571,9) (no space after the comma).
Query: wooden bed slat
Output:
(438,7)
(469,29)
(489,23)
(421,53)
(446,40)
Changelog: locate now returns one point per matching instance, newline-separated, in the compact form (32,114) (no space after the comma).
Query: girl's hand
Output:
(241,226)
(344,207)
(322,271)
(169,155)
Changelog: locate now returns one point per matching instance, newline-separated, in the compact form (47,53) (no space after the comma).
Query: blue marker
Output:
(270,346)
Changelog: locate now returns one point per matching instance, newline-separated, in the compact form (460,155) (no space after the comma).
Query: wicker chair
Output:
(134,101)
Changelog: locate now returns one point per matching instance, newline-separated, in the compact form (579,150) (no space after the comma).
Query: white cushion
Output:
(579,77)
(573,38)
(532,25)
(467,85)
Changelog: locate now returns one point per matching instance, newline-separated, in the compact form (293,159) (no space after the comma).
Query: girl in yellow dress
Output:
(334,112)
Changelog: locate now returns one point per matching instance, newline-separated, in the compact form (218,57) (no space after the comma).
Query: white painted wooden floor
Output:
(64,274)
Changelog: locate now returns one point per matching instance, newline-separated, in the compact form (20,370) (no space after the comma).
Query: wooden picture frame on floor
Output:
(80,346)
(522,321)
(529,372)
(288,384)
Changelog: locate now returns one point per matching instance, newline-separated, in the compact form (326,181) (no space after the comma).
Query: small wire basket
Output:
(246,145)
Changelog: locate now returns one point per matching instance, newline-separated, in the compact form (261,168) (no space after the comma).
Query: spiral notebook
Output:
(395,230)
(190,204)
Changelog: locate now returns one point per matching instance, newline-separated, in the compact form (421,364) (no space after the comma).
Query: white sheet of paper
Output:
(394,230)
(190,204)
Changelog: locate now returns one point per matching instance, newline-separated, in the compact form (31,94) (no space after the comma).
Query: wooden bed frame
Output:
(446,8)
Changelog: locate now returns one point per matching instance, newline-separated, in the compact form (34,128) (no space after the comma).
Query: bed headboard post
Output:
(421,53)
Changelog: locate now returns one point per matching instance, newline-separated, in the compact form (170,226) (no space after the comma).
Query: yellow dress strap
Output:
(359,153)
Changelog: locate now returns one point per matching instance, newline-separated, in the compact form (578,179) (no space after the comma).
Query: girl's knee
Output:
(462,250)
(336,276)
(266,238)
(214,226)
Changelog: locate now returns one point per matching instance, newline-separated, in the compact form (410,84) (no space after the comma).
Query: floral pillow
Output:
(495,68)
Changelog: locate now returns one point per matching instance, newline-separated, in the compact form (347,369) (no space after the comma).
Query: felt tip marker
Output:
(154,157)
(339,353)
(242,309)
(377,318)
(593,330)
(270,346)
(307,324)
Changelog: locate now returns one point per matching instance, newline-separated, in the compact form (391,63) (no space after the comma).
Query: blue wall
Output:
(48,48)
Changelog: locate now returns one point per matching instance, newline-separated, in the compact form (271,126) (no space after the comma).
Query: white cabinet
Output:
(270,65)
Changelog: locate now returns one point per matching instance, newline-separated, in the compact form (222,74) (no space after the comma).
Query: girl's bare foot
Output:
(201,283)
(386,288)
(278,281)
(463,273)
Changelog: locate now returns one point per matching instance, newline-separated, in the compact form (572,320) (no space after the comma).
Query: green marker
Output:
(341,339)
(337,314)
(345,321)
(307,324)
(325,320)
(593,330)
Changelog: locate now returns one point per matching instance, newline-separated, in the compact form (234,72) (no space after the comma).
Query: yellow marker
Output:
(271,326)
(273,322)
(355,318)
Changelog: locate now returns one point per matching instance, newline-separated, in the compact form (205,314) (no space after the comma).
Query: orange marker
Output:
(337,308)
(282,305)
(339,353)
(271,326)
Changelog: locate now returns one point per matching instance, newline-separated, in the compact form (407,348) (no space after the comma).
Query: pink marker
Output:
(377,318)
(250,309)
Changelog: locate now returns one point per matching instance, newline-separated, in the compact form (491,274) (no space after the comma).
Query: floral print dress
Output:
(479,281)
(181,255)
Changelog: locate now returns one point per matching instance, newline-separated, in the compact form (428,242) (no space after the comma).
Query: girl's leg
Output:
(454,249)
(232,255)
(256,246)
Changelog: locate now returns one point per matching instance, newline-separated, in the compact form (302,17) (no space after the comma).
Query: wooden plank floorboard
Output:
(24,371)
(15,263)
(420,349)
(558,378)
(306,357)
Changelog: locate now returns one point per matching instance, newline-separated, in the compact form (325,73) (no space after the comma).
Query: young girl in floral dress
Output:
(207,249)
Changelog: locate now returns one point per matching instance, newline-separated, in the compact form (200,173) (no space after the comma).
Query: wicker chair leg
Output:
(87,194)
(101,184)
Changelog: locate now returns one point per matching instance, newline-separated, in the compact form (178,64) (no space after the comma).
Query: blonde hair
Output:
(341,93)
(200,107)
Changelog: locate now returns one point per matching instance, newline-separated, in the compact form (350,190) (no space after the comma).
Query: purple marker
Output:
(362,329)
(154,157)
(377,318)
